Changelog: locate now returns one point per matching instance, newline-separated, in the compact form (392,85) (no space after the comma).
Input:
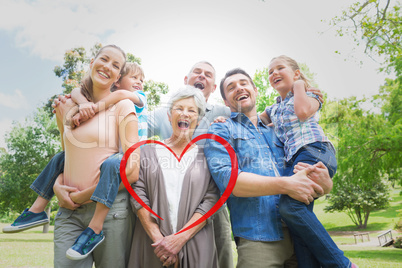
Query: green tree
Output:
(376,25)
(154,91)
(76,63)
(266,94)
(362,150)
(30,147)
(368,142)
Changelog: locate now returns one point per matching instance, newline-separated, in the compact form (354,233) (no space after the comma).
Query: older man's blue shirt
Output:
(260,152)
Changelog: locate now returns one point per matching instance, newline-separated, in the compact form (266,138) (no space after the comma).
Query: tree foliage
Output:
(266,94)
(376,25)
(363,151)
(154,91)
(30,147)
(76,63)
(368,142)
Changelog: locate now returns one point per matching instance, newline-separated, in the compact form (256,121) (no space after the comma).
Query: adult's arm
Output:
(298,186)
(63,193)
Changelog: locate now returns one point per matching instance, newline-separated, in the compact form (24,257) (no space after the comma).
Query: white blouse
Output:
(173,173)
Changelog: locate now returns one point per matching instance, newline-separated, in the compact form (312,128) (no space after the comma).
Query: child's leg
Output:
(106,190)
(43,186)
(109,181)
(104,194)
(312,241)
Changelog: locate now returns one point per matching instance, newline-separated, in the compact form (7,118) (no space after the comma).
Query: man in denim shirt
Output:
(261,238)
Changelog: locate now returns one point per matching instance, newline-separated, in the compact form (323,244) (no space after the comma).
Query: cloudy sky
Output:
(170,36)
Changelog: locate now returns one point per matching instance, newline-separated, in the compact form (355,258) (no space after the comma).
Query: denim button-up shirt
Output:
(260,152)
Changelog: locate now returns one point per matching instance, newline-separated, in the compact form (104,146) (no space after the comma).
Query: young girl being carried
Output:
(295,119)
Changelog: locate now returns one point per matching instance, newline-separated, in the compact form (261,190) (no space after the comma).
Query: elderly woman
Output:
(179,192)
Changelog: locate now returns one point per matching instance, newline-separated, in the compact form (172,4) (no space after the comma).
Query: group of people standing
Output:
(281,170)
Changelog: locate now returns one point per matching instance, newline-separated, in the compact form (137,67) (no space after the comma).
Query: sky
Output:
(170,36)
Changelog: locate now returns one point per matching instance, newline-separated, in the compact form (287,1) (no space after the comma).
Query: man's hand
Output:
(63,195)
(317,92)
(77,197)
(302,188)
(219,119)
(319,175)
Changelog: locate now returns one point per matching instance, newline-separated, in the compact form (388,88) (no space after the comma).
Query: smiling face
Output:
(282,76)
(105,68)
(184,118)
(202,76)
(132,82)
(240,94)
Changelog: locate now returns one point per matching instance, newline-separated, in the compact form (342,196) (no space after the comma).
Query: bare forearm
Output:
(187,235)
(149,224)
(77,97)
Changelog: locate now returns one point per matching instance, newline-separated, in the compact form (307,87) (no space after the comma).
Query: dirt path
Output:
(372,235)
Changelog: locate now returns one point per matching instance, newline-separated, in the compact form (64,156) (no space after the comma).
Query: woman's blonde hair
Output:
(86,82)
(295,66)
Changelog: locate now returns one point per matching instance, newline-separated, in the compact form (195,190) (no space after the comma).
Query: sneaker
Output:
(27,220)
(85,244)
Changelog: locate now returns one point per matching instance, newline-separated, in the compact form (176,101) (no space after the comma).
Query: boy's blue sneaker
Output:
(85,244)
(27,220)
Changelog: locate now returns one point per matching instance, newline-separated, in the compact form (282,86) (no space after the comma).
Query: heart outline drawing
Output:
(225,195)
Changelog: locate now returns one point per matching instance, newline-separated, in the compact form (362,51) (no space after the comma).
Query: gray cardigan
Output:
(199,194)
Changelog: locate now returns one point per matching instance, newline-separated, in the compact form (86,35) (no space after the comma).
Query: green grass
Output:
(368,257)
(32,248)
(380,220)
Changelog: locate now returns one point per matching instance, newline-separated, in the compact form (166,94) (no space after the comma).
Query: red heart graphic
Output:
(222,199)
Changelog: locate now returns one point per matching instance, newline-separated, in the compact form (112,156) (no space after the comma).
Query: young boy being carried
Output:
(131,80)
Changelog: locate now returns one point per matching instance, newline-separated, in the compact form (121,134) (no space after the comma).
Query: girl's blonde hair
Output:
(295,66)
(130,68)
(86,82)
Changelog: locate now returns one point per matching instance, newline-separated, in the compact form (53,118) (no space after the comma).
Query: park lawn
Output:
(31,248)
(380,220)
(374,257)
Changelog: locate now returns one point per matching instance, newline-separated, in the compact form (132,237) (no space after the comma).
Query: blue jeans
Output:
(313,245)
(109,181)
(43,184)
(105,191)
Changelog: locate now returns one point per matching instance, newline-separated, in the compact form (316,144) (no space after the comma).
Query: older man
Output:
(262,240)
(201,76)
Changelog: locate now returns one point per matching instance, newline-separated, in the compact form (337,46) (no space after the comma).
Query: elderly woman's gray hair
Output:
(189,92)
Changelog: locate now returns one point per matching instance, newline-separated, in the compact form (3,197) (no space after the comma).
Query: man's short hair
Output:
(230,73)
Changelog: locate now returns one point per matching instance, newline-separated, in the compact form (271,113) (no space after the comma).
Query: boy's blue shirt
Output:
(142,114)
